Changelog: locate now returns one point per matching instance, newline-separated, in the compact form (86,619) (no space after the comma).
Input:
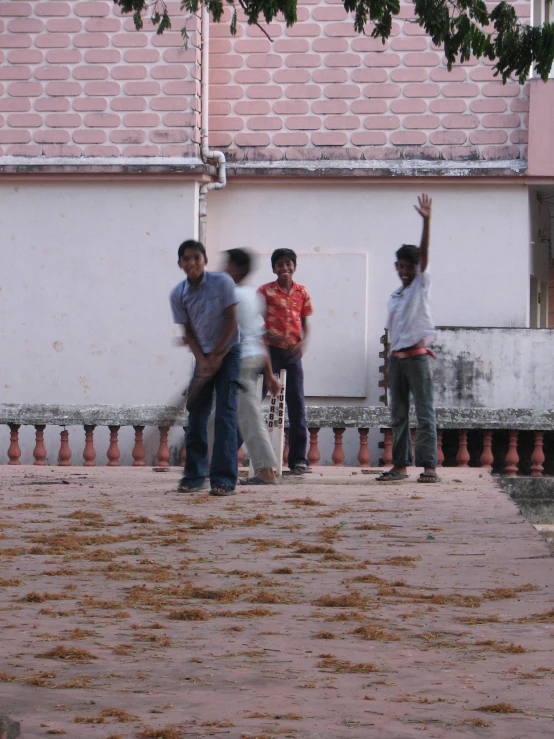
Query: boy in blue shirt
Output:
(205,305)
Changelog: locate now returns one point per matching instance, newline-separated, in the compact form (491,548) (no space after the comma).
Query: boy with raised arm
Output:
(288,306)
(205,305)
(411,332)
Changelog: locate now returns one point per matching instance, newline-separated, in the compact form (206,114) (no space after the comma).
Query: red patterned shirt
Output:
(283,318)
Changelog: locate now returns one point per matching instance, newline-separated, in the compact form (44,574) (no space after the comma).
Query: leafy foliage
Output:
(464,28)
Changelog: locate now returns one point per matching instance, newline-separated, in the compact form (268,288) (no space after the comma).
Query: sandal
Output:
(428,477)
(223,490)
(391,476)
(185,487)
(301,469)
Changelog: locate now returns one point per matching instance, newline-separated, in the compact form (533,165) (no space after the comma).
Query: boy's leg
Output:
(298,430)
(421,384)
(400,415)
(252,427)
(224,467)
(196,441)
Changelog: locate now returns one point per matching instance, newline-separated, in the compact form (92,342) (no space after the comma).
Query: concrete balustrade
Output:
(495,434)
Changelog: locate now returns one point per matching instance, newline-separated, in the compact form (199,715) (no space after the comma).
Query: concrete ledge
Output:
(378,168)
(523,419)
(104,165)
(336,168)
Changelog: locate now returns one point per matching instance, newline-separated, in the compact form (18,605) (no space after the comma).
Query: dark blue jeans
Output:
(224,464)
(412,375)
(294,397)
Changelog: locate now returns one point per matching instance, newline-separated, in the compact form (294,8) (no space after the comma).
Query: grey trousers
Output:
(252,427)
(412,375)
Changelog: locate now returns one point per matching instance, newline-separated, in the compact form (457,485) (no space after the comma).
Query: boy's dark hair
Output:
(191,244)
(409,253)
(283,254)
(240,258)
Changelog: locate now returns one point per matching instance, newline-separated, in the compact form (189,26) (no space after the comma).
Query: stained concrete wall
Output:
(494,368)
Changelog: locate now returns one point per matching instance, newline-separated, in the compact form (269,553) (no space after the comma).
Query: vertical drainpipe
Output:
(208,156)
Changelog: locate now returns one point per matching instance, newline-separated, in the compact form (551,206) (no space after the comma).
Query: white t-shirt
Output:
(409,320)
(250,309)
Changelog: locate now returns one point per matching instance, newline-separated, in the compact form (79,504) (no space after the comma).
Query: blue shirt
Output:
(203,307)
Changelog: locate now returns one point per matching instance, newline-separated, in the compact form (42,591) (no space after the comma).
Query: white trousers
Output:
(251,424)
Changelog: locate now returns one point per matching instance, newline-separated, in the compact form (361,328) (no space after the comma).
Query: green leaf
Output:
(464,28)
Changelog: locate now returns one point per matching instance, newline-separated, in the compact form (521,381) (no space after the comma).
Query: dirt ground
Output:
(326,607)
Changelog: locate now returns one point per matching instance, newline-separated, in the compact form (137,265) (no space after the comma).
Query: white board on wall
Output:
(335,362)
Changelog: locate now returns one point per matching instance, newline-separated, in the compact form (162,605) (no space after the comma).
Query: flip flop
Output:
(301,469)
(390,476)
(223,490)
(431,477)
(184,488)
(256,481)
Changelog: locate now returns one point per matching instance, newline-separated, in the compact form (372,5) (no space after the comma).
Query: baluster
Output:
(138,452)
(387,447)
(14,452)
(512,457)
(89,452)
(486,456)
(440,453)
(338,452)
(64,456)
(537,457)
(413,437)
(241,456)
(462,458)
(364,457)
(286,449)
(113,450)
(39,452)
(313,452)
(163,450)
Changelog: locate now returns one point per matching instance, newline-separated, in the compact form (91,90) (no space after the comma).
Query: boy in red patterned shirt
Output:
(288,306)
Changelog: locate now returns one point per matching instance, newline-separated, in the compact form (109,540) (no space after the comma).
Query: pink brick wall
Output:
(76,79)
(322,91)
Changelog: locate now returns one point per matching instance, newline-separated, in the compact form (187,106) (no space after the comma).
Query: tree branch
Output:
(461,27)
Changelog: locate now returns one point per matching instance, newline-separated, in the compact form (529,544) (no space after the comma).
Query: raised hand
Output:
(424,207)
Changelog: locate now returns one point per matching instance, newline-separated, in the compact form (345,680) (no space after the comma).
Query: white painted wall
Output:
(479,247)
(87,268)
(335,364)
(479,257)
(86,272)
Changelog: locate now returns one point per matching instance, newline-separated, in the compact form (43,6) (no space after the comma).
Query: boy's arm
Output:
(195,347)
(272,384)
(424,210)
(305,329)
(306,311)
(221,347)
